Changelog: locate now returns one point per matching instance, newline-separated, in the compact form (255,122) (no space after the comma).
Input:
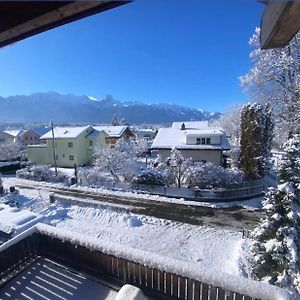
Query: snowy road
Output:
(234,218)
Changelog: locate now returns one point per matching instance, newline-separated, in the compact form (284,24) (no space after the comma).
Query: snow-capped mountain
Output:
(42,107)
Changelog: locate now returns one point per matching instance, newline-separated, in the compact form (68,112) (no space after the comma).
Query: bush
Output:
(207,175)
(94,177)
(41,173)
(150,177)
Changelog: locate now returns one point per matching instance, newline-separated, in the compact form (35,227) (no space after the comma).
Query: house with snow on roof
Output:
(205,145)
(114,133)
(72,146)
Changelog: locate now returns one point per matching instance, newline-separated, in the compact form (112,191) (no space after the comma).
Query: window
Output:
(208,141)
(71,157)
(31,138)
(198,141)
(70,144)
(91,143)
(203,141)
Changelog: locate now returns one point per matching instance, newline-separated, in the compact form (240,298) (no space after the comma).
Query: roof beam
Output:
(279,24)
(21,19)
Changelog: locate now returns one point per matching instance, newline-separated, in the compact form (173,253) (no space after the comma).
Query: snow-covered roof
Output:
(13,220)
(191,124)
(65,132)
(14,133)
(208,131)
(146,131)
(112,131)
(168,138)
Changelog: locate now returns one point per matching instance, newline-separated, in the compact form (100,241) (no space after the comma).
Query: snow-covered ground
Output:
(209,247)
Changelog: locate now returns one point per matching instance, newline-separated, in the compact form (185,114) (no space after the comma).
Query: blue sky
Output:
(188,52)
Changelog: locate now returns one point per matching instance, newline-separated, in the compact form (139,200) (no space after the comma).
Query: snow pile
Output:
(14,220)
(130,292)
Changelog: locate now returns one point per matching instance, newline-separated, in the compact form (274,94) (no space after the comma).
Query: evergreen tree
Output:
(277,238)
(268,129)
(256,139)
(250,141)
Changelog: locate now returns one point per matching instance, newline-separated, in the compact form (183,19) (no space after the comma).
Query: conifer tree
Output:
(256,140)
(277,238)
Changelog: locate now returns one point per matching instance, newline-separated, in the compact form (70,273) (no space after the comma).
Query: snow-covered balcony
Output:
(159,277)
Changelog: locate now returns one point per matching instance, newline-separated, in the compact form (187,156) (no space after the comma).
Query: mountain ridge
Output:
(69,108)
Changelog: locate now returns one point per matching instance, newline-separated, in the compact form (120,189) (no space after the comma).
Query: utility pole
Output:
(53,147)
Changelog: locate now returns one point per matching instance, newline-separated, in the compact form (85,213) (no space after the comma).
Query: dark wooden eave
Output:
(280,22)
(22,19)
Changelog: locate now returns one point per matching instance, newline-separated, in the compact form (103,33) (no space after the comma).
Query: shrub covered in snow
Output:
(151,177)
(276,247)
(9,150)
(207,175)
(94,177)
(41,173)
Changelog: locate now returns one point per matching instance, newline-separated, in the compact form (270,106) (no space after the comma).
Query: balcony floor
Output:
(47,280)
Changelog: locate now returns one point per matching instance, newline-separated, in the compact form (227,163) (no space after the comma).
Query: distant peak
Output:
(92,98)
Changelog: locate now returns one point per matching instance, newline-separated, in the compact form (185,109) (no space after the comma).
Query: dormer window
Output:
(203,141)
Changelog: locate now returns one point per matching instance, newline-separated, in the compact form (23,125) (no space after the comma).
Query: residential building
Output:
(6,137)
(206,145)
(147,134)
(72,146)
(114,133)
(15,134)
(30,137)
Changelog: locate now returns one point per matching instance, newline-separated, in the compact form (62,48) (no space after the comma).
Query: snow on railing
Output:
(18,238)
(223,280)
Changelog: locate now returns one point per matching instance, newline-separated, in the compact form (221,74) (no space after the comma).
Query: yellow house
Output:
(72,146)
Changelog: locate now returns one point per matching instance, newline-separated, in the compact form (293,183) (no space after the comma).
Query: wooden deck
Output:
(46,280)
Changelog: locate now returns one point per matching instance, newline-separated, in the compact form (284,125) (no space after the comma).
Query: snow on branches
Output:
(277,238)
(9,150)
(120,160)
(275,79)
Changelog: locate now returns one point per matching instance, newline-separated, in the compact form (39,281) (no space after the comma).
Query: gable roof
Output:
(14,133)
(191,124)
(112,131)
(65,132)
(168,138)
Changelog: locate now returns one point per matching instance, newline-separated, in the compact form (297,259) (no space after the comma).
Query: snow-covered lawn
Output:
(209,247)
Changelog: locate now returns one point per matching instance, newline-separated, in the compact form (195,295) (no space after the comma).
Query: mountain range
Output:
(62,109)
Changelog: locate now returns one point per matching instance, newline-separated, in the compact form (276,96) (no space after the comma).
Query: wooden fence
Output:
(238,192)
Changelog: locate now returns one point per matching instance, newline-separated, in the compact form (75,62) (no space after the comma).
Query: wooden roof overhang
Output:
(279,23)
(22,19)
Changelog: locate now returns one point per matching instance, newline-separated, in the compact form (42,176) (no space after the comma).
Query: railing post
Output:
(125,271)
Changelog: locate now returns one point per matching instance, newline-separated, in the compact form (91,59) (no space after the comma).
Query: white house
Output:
(206,145)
